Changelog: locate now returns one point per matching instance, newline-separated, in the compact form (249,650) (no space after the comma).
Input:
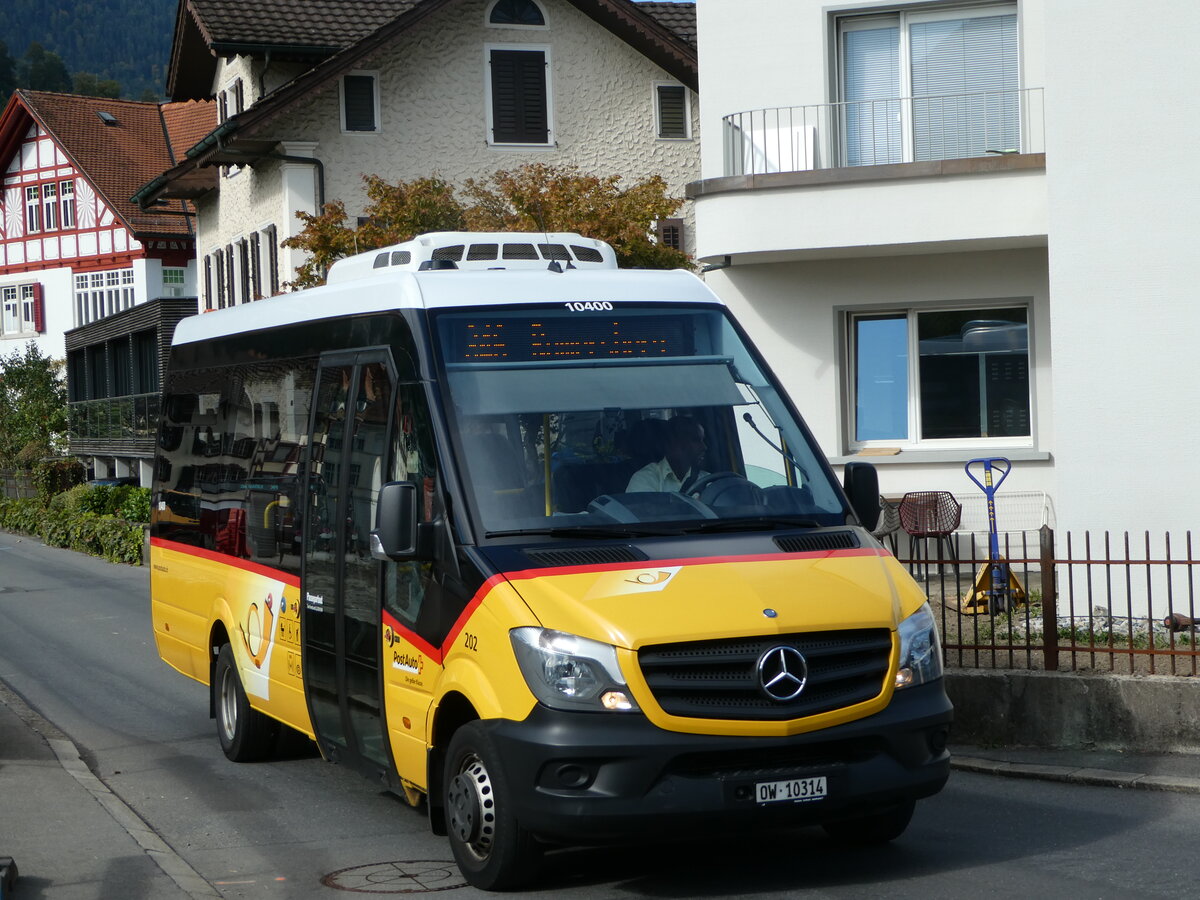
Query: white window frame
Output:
(360,73)
(687,111)
(548,61)
(487,18)
(50,206)
(11,318)
(66,199)
(848,317)
(33,209)
(902,19)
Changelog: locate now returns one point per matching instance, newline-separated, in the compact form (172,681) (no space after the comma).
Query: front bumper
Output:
(596,777)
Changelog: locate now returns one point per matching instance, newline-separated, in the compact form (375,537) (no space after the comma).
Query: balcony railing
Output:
(133,417)
(881,132)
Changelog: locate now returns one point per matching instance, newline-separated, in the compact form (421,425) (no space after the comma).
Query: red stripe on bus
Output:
(525,574)
(227,560)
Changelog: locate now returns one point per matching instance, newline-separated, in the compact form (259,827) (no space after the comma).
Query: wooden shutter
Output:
(672,111)
(39,309)
(519,114)
(670,233)
(358,92)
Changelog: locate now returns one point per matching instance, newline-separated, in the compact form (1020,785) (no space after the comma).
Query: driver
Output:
(680,466)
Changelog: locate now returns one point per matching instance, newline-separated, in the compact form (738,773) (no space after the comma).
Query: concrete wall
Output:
(1060,710)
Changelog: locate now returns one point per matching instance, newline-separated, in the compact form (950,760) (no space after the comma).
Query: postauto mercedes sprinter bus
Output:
(399,513)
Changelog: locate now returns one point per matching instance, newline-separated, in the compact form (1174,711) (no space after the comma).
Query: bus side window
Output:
(412,459)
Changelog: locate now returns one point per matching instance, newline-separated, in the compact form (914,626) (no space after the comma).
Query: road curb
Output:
(1077,775)
(163,855)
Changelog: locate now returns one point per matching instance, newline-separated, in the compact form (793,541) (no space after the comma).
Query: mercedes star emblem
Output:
(782,673)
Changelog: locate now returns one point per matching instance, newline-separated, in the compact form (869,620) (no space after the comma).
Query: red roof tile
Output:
(119,158)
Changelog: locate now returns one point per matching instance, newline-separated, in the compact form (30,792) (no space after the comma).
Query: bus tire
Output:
(877,827)
(491,848)
(246,734)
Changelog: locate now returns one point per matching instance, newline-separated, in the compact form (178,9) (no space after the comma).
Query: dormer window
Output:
(520,13)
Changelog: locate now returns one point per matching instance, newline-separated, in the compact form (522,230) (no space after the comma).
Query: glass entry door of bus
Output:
(340,580)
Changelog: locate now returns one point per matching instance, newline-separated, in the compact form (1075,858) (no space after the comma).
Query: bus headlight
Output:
(565,671)
(920,649)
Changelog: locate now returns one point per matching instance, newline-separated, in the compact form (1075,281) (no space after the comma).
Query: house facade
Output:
(927,215)
(74,249)
(412,88)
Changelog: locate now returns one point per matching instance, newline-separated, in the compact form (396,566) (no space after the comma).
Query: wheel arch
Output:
(453,712)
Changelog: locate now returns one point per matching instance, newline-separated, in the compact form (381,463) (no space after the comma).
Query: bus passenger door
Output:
(341,581)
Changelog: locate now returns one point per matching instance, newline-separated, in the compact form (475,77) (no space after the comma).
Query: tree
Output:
(33,407)
(90,85)
(534,197)
(44,70)
(540,197)
(8,73)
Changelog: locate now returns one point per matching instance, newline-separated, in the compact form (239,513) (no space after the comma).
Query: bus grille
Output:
(719,679)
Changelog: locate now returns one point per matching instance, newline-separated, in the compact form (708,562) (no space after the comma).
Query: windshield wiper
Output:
(757,523)
(589,531)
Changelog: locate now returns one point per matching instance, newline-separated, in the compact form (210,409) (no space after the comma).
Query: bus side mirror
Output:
(395,534)
(861,484)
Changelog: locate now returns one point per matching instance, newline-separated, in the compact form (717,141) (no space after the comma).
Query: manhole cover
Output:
(411,876)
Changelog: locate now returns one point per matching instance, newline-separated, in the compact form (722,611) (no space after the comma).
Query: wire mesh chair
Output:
(930,514)
(888,525)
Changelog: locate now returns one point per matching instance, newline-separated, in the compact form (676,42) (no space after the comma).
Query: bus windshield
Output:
(623,419)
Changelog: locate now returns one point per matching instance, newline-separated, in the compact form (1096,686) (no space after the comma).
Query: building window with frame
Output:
(516,14)
(918,376)
(33,209)
(929,84)
(518,86)
(50,206)
(218,258)
(10,311)
(360,103)
(66,196)
(671,112)
(230,277)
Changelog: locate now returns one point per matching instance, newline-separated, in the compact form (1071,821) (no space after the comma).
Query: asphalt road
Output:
(75,643)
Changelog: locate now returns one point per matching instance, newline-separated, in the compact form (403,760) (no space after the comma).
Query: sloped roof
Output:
(679,17)
(301,23)
(117,159)
(317,29)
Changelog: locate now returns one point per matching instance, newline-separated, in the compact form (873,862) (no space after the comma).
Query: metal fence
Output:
(1121,603)
(883,131)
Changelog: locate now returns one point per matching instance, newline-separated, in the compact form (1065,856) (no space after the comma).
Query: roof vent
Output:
(107,118)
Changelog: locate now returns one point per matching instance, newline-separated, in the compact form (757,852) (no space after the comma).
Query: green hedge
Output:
(66,524)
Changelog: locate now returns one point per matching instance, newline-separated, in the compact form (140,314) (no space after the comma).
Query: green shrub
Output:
(136,505)
(66,522)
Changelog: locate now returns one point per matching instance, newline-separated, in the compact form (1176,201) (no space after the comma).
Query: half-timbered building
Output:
(75,251)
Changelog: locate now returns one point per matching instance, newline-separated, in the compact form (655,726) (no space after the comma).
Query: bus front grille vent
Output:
(815,542)
(585,556)
(720,679)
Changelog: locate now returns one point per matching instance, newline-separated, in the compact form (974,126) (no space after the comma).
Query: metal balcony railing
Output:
(881,132)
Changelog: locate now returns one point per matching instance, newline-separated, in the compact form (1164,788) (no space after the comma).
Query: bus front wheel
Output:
(246,734)
(491,848)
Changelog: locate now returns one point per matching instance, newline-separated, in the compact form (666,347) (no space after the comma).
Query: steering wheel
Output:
(726,489)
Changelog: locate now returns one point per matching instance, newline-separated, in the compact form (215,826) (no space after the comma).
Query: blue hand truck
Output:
(996,589)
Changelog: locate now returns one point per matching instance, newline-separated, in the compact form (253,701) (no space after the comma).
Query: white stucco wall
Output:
(794,312)
(1123,127)
(433,119)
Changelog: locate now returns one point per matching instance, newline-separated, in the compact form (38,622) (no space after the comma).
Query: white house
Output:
(966,230)
(315,95)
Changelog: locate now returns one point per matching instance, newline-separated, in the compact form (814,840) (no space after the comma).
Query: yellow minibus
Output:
(543,545)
